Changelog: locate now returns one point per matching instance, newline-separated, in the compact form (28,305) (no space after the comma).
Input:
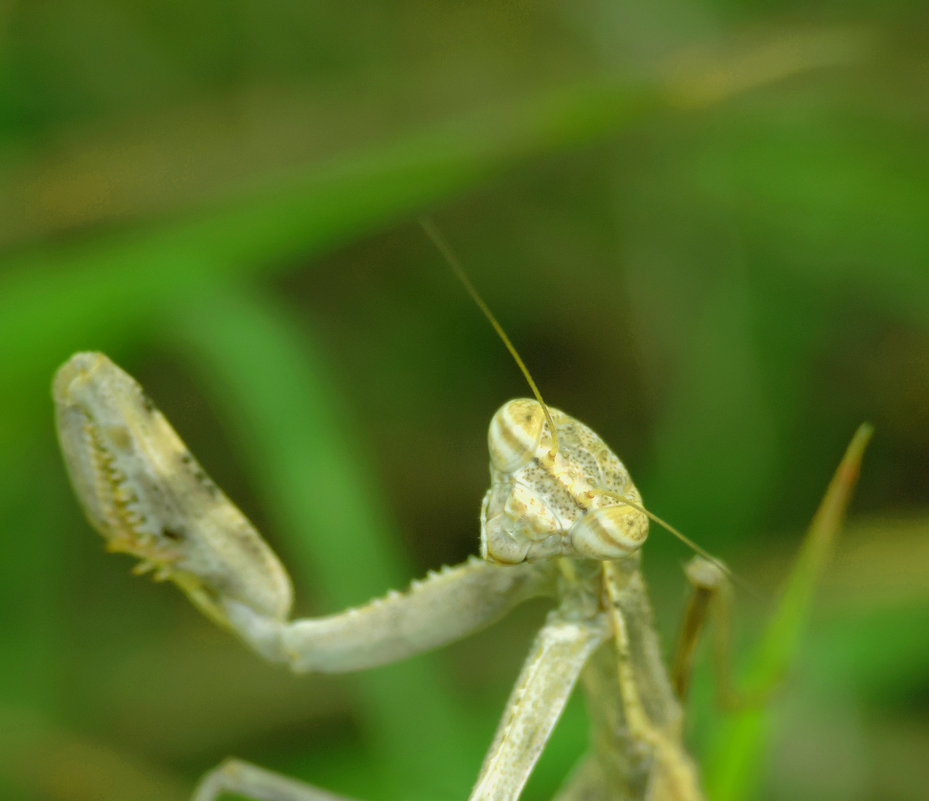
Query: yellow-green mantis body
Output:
(562,519)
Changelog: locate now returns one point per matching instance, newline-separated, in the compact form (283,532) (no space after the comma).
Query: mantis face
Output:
(143,491)
(577,500)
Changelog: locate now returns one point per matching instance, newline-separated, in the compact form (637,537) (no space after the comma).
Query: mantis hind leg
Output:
(258,784)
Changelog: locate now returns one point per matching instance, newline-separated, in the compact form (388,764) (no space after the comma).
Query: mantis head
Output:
(555,493)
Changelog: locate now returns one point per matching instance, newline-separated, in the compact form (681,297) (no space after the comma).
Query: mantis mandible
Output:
(562,519)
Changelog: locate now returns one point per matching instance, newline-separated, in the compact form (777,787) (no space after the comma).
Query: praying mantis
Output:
(562,519)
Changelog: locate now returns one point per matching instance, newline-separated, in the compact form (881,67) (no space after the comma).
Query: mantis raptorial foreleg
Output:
(147,495)
(637,732)
(443,607)
(560,651)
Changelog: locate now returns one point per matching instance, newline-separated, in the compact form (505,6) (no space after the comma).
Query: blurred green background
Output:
(706,227)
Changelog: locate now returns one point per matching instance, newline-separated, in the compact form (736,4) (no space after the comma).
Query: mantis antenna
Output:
(445,249)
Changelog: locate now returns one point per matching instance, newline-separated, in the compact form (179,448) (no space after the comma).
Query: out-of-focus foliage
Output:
(706,226)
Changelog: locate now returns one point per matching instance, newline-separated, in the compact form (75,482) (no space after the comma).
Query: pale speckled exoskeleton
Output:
(562,518)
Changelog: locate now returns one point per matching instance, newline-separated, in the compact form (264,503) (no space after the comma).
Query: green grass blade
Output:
(733,763)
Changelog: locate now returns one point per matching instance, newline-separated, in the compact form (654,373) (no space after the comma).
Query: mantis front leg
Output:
(443,607)
(144,492)
(560,651)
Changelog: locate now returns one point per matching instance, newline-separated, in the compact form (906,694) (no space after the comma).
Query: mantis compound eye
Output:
(515,434)
(609,532)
